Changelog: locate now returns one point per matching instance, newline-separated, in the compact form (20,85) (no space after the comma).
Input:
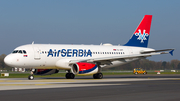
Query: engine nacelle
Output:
(83,68)
(45,71)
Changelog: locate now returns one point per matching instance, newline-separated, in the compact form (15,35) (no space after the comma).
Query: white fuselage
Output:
(54,56)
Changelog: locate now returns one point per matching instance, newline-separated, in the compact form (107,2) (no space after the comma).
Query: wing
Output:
(108,60)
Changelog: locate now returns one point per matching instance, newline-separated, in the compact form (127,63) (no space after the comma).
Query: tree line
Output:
(144,63)
(3,66)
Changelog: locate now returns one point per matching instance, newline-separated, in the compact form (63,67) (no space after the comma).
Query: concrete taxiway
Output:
(127,87)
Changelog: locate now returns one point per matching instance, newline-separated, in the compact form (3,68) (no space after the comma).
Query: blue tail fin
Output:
(141,35)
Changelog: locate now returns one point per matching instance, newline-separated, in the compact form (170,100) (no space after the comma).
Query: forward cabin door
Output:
(36,53)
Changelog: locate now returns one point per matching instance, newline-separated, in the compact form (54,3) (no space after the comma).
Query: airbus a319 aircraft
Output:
(46,59)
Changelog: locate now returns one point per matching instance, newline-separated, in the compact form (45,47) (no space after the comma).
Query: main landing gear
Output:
(98,76)
(69,75)
(95,76)
(31,77)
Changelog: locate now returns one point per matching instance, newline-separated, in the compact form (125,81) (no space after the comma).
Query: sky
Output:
(88,22)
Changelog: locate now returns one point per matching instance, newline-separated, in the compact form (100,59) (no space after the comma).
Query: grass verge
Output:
(25,75)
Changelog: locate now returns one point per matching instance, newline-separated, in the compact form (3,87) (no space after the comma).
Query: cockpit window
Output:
(19,51)
(24,51)
(15,51)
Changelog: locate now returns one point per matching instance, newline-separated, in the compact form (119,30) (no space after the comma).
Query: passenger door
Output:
(36,53)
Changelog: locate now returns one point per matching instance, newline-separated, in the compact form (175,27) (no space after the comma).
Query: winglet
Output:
(171,52)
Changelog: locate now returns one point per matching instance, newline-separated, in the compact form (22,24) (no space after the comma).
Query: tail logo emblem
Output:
(143,36)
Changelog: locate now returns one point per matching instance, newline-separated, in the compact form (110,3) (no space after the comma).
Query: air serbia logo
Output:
(143,36)
(70,53)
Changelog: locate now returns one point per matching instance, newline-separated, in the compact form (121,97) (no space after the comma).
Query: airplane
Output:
(47,59)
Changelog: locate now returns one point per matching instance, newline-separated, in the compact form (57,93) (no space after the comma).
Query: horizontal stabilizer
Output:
(145,52)
(171,52)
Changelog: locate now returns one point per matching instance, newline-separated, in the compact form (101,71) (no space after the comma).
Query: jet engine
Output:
(45,71)
(83,68)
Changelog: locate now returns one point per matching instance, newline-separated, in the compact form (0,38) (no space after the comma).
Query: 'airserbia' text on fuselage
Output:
(70,53)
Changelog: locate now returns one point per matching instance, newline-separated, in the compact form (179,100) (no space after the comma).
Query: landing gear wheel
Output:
(98,76)
(70,76)
(30,77)
(135,73)
(67,75)
(95,76)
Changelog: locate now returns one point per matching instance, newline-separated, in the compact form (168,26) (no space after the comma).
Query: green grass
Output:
(129,73)
(25,75)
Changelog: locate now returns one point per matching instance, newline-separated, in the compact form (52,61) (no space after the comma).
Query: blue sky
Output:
(88,22)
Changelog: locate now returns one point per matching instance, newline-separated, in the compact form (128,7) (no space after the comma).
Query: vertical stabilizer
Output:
(141,35)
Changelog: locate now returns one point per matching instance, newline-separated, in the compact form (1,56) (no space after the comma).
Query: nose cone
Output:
(8,60)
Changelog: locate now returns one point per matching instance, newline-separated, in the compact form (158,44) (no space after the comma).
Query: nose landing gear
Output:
(31,77)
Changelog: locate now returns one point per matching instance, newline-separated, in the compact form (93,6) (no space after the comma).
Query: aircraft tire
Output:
(98,76)
(67,75)
(95,76)
(30,77)
(70,76)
